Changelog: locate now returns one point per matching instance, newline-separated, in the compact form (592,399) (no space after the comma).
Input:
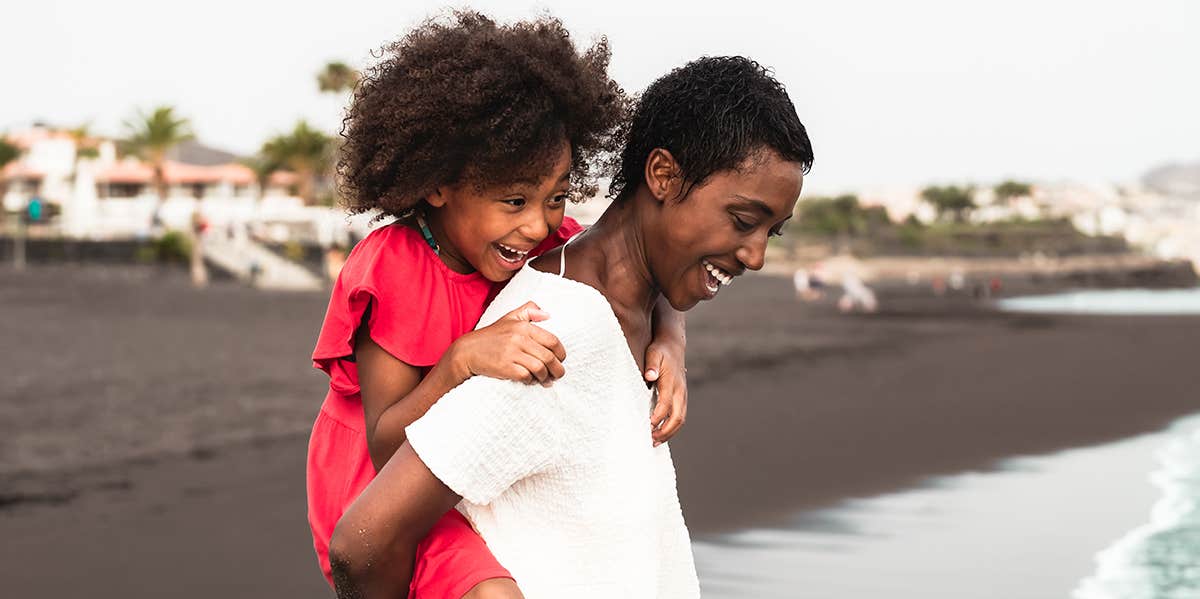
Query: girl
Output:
(473,135)
(564,483)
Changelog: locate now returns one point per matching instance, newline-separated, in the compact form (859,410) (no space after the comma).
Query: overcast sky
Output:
(891,92)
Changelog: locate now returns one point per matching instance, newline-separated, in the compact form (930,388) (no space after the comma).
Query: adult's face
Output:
(720,228)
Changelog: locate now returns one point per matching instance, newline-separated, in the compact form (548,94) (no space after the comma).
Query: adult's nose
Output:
(753,253)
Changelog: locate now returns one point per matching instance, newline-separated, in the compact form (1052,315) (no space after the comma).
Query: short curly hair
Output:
(464,100)
(711,115)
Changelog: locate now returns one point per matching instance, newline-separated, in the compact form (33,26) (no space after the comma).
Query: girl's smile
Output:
(493,229)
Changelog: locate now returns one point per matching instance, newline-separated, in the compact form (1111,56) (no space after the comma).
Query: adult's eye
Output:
(742,224)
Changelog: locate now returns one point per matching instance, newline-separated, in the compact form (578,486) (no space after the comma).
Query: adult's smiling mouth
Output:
(715,278)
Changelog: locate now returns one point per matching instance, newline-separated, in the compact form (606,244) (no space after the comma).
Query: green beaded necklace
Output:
(425,232)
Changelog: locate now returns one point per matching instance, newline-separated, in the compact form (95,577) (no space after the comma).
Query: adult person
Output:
(563,482)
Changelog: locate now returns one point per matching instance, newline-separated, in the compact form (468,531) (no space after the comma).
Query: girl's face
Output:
(492,229)
(721,228)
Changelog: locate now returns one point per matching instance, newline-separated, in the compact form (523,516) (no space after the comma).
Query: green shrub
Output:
(173,246)
(145,253)
(293,250)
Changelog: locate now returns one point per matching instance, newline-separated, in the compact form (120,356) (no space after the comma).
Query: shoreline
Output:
(1032,275)
(919,397)
(1035,526)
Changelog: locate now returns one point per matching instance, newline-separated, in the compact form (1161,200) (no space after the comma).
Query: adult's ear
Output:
(663,176)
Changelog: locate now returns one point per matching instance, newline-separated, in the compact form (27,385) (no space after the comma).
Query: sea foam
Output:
(1109,301)
(1160,559)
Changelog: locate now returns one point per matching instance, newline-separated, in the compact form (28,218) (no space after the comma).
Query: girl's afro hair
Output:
(464,100)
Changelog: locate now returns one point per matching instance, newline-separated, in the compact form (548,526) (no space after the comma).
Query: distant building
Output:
(101,196)
(900,201)
(1161,218)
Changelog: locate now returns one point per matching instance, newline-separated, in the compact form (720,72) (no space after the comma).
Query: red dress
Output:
(418,307)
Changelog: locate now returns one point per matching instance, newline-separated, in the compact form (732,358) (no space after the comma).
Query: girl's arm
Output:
(394,393)
(374,546)
(664,363)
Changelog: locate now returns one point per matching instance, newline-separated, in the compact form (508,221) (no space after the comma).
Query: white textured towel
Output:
(563,482)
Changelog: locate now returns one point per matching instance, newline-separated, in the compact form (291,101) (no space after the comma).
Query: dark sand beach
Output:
(154,435)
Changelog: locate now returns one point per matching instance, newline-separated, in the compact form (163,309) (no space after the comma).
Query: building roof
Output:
(25,139)
(176,173)
(19,169)
(188,163)
(283,179)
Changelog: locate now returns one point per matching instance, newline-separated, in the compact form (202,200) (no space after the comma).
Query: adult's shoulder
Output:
(578,312)
(568,229)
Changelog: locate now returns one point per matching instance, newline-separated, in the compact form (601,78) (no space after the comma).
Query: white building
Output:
(99,195)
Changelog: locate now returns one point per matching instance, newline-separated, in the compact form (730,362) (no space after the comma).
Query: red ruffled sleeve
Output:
(418,305)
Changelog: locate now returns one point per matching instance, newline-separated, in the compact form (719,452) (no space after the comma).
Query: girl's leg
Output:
(453,561)
(495,588)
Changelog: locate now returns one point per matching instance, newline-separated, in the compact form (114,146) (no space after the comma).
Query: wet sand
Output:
(154,435)
(874,403)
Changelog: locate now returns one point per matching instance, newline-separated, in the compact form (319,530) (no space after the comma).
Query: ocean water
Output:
(1109,301)
(1112,521)
(1161,558)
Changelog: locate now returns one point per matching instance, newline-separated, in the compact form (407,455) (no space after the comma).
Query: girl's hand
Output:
(512,348)
(664,364)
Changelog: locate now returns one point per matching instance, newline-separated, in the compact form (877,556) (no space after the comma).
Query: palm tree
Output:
(262,166)
(151,135)
(337,77)
(8,153)
(85,144)
(306,152)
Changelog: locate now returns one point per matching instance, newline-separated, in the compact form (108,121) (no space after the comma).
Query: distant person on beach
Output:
(564,482)
(957,279)
(800,282)
(856,296)
(938,285)
(818,277)
(807,286)
(473,136)
(334,260)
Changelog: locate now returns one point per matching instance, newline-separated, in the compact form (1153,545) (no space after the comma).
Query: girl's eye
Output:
(515,202)
(558,200)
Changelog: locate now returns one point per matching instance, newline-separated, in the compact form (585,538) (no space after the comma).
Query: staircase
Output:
(239,256)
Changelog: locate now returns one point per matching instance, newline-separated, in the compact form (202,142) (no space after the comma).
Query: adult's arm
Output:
(665,366)
(374,545)
(477,441)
